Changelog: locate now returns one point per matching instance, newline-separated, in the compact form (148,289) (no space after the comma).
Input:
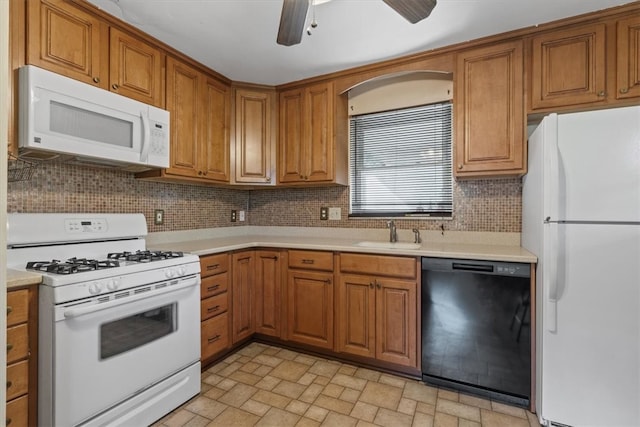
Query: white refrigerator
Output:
(581,217)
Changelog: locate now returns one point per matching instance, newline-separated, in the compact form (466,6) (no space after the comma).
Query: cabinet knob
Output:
(267,179)
(96,79)
(8,421)
(9,347)
(371,285)
(9,309)
(459,166)
(200,173)
(601,93)
(9,384)
(378,285)
(114,86)
(624,90)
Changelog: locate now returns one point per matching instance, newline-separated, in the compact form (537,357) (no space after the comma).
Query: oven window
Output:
(136,330)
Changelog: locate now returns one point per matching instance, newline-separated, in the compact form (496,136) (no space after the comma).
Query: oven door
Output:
(106,353)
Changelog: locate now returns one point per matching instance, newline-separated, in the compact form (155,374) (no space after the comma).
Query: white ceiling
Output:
(237,38)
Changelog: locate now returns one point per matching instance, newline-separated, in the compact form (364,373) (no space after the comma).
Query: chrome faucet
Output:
(393,235)
(416,236)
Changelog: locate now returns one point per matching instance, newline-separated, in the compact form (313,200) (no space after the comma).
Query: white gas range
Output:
(119,326)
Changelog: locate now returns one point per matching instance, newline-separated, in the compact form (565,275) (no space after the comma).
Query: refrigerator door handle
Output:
(550,276)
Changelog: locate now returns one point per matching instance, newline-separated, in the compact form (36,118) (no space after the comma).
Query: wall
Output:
(67,188)
(483,205)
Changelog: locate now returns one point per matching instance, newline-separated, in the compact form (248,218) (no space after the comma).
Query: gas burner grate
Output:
(144,256)
(71,266)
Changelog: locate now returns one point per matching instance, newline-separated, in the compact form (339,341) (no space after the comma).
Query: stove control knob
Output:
(182,271)
(170,272)
(95,288)
(112,285)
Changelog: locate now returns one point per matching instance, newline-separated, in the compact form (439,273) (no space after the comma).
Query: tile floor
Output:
(263,385)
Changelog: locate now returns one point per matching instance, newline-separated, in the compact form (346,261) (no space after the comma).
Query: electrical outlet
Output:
(234,215)
(335,214)
(324,213)
(158,217)
(241,216)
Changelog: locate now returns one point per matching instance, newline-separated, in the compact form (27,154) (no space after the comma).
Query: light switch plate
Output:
(335,214)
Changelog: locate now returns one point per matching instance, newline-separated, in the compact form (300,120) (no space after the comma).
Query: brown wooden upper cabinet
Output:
(254,136)
(200,115)
(579,65)
(489,111)
(308,150)
(70,41)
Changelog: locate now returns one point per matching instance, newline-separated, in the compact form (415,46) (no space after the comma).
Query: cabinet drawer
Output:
(213,306)
(17,412)
(17,307)
(379,265)
(17,379)
(214,285)
(311,260)
(214,335)
(213,264)
(17,343)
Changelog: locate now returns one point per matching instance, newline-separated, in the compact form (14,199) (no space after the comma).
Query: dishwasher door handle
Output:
(472,267)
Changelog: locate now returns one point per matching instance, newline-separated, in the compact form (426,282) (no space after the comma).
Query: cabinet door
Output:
(396,322)
(136,69)
(183,103)
(489,111)
(64,39)
(356,314)
(215,133)
(628,85)
(253,139)
(569,67)
(242,295)
(310,308)
(319,147)
(268,286)
(291,138)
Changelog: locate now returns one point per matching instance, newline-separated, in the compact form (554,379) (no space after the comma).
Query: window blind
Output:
(400,162)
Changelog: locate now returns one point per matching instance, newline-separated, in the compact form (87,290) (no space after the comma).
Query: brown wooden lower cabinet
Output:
(22,369)
(242,291)
(377,318)
(268,293)
(310,308)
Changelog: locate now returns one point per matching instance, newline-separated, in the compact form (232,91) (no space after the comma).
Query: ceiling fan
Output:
(294,15)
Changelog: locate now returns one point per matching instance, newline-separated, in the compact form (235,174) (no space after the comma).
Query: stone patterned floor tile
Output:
(263,385)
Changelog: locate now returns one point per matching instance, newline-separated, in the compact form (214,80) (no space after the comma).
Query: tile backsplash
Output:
(479,205)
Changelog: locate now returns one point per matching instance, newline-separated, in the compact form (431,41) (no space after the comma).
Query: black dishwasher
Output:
(476,334)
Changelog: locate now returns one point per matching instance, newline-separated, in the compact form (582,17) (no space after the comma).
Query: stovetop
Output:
(113,260)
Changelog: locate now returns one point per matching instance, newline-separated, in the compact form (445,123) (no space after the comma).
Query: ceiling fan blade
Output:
(292,20)
(412,10)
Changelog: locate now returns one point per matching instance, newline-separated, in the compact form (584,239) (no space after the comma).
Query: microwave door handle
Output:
(146,137)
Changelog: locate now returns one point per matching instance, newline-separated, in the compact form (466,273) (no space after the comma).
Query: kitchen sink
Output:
(388,245)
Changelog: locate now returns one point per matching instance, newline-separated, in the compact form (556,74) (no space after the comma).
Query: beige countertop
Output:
(17,278)
(483,246)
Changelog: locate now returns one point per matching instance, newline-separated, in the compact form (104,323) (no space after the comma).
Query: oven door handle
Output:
(81,311)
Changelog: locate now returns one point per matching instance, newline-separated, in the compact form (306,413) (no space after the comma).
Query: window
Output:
(400,162)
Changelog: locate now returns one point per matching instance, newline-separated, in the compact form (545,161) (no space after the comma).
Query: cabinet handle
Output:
(212,267)
(371,285)
(9,347)
(200,173)
(9,309)
(96,79)
(308,261)
(601,93)
(624,90)
(114,86)
(213,339)
(275,257)
(212,309)
(378,285)
(8,421)
(327,282)
(212,288)
(9,384)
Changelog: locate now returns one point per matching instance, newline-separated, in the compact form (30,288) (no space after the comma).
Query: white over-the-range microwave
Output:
(65,118)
